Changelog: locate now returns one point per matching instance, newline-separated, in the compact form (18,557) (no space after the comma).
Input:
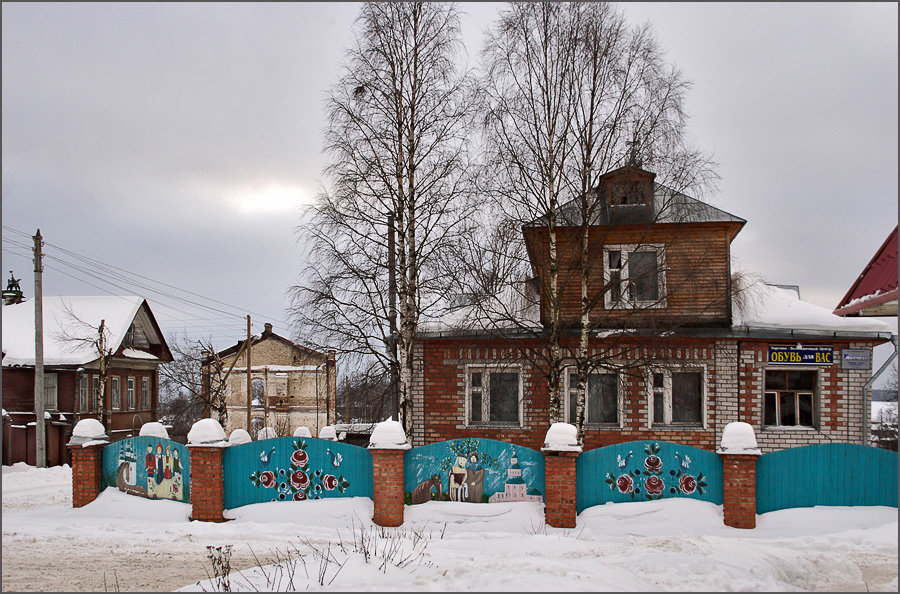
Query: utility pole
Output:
(249,383)
(392,315)
(40,429)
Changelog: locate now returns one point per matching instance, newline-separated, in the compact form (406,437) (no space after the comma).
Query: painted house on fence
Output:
(72,370)
(679,347)
(292,385)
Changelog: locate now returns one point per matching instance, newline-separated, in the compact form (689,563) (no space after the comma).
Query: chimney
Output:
(268,328)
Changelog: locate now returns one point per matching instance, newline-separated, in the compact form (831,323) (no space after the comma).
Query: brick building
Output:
(72,370)
(679,347)
(291,385)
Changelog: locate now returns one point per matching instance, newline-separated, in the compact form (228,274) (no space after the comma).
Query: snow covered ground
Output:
(128,543)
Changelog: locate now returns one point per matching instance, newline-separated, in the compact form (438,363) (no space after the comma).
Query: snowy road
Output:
(121,542)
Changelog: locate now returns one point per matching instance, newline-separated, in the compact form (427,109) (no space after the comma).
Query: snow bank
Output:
(207,432)
(266,433)
(302,432)
(738,438)
(561,437)
(388,435)
(154,429)
(328,432)
(239,436)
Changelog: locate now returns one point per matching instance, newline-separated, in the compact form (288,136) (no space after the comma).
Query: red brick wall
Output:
(739,489)
(387,476)
(560,483)
(87,471)
(207,484)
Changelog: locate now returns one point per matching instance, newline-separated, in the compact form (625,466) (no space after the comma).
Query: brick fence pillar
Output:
(87,472)
(739,489)
(388,478)
(560,501)
(207,483)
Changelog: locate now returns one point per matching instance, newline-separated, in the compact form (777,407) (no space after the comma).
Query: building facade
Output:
(679,345)
(290,385)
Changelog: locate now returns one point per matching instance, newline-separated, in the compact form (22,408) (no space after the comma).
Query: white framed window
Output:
(602,399)
(129,391)
(494,395)
(115,388)
(95,390)
(50,391)
(83,392)
(677,397)
(790,398)
(634,275)
(145,393)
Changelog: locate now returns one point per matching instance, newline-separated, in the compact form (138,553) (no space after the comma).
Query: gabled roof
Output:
(875,291)
(267,334)
(119,314)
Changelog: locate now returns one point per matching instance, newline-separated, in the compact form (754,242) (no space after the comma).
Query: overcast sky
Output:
(179,142)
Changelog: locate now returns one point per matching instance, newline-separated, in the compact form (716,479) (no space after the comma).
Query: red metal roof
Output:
(876,284)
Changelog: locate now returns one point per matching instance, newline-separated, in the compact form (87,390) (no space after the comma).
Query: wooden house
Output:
(679,345)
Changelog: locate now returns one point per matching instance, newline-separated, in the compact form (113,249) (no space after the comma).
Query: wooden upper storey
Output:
(656,258)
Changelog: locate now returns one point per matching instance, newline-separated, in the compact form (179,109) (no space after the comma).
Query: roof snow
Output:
(118,313)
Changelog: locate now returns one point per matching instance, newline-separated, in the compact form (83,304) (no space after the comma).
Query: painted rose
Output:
(653,463)
(299,479)
(267,479)
(299,457)
(329,482)
(625,484)
(654,485)
(687,484)
(299,496)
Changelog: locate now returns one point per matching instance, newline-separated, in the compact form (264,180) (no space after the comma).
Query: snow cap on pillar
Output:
(207,432)
(302,432)
(328,432)
(561,437)
(239,436)
(388,435)
(738,438)
(154,429)
(87,432)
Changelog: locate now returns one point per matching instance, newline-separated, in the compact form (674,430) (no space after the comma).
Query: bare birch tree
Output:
(79,334)
(198,376)
(397,144)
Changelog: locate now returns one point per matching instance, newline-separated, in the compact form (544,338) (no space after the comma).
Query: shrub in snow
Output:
(266,433)
(302,432)
(738,438)
(388,435)
(239,436)
(328,432)
(154,429)
(206,431)
(561,437)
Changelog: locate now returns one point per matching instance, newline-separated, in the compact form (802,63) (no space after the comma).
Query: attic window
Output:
(630,193)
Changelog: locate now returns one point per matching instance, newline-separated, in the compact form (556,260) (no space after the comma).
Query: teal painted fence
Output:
(828,474)
(149,467)
(645,471)
(295,469)
(473,470)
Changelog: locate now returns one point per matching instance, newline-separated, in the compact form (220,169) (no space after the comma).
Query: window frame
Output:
(145,393)
(569,392)
(486,370)
(815,398)
(83,391)
(115,391)
(667,395)
(51,402)
(130,385)
(625,300)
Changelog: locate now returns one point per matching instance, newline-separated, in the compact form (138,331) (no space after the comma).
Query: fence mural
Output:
(646,471)
(150,467)
(827,474)
(295,469)
(473,470)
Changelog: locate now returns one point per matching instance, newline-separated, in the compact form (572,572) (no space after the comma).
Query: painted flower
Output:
(654,485)
(300,496)
(687,484)
(653,463)
(625,484)
(267,479)
(329,482)
(299,457)
(299,479)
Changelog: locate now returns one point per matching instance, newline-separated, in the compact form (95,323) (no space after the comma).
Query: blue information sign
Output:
(800,355)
